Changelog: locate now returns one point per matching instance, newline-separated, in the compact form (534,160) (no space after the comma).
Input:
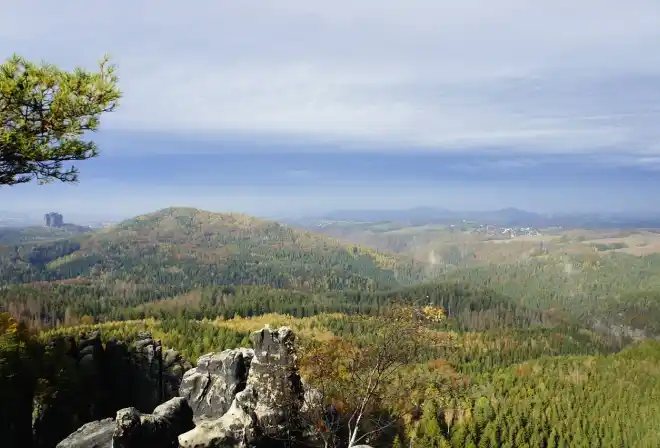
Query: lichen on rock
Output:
(211,386)
(236,398)
(267,406)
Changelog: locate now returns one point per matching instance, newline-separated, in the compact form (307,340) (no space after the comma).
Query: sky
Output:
(295,107)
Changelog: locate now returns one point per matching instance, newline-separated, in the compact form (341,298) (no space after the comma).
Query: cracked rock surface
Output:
(236,398)
(211,386)
(133,429)
(271,397)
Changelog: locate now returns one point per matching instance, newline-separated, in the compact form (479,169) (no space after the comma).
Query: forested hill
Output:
(187,248)
(39,234)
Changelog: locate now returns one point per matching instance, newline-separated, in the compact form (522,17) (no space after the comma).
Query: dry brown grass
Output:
(511,250)
(639,243)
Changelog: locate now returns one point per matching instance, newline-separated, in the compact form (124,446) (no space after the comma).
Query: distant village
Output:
(496,230)
(510,232)
(466,226)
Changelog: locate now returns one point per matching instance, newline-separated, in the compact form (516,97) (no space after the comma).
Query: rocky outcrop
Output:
(211,387)
(237,398)
(156,375)
(157,430)
(97,434)
(275,379)
(133,429)
(174,367)
(238,427)
(266,407)
(86,381)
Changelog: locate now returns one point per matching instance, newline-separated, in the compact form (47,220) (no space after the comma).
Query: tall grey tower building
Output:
(53,220)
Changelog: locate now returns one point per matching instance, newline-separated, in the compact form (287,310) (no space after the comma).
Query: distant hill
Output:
(31,234)
(609,277)
(189,248)
(470,244)
(505,217)
(174,251)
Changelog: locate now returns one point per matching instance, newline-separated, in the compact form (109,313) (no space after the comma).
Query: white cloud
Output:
(531,76)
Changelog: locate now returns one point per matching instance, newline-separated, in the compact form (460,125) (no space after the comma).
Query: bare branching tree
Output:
(354,388)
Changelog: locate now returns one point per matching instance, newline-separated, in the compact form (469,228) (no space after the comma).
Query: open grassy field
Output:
(471,244)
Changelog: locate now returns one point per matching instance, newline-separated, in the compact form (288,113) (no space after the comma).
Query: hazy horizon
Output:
(76,216)
(477,105)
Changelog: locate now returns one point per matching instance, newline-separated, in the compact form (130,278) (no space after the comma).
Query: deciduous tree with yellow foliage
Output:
(351,395)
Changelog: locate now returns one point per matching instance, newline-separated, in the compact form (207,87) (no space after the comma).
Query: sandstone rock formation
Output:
(157,430)
(237,398)
(133,429)
(97,434)
(90,382)
(211,386)
(266,407)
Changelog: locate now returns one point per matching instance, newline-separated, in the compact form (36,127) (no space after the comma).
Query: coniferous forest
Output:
(527,360)
(343,334)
